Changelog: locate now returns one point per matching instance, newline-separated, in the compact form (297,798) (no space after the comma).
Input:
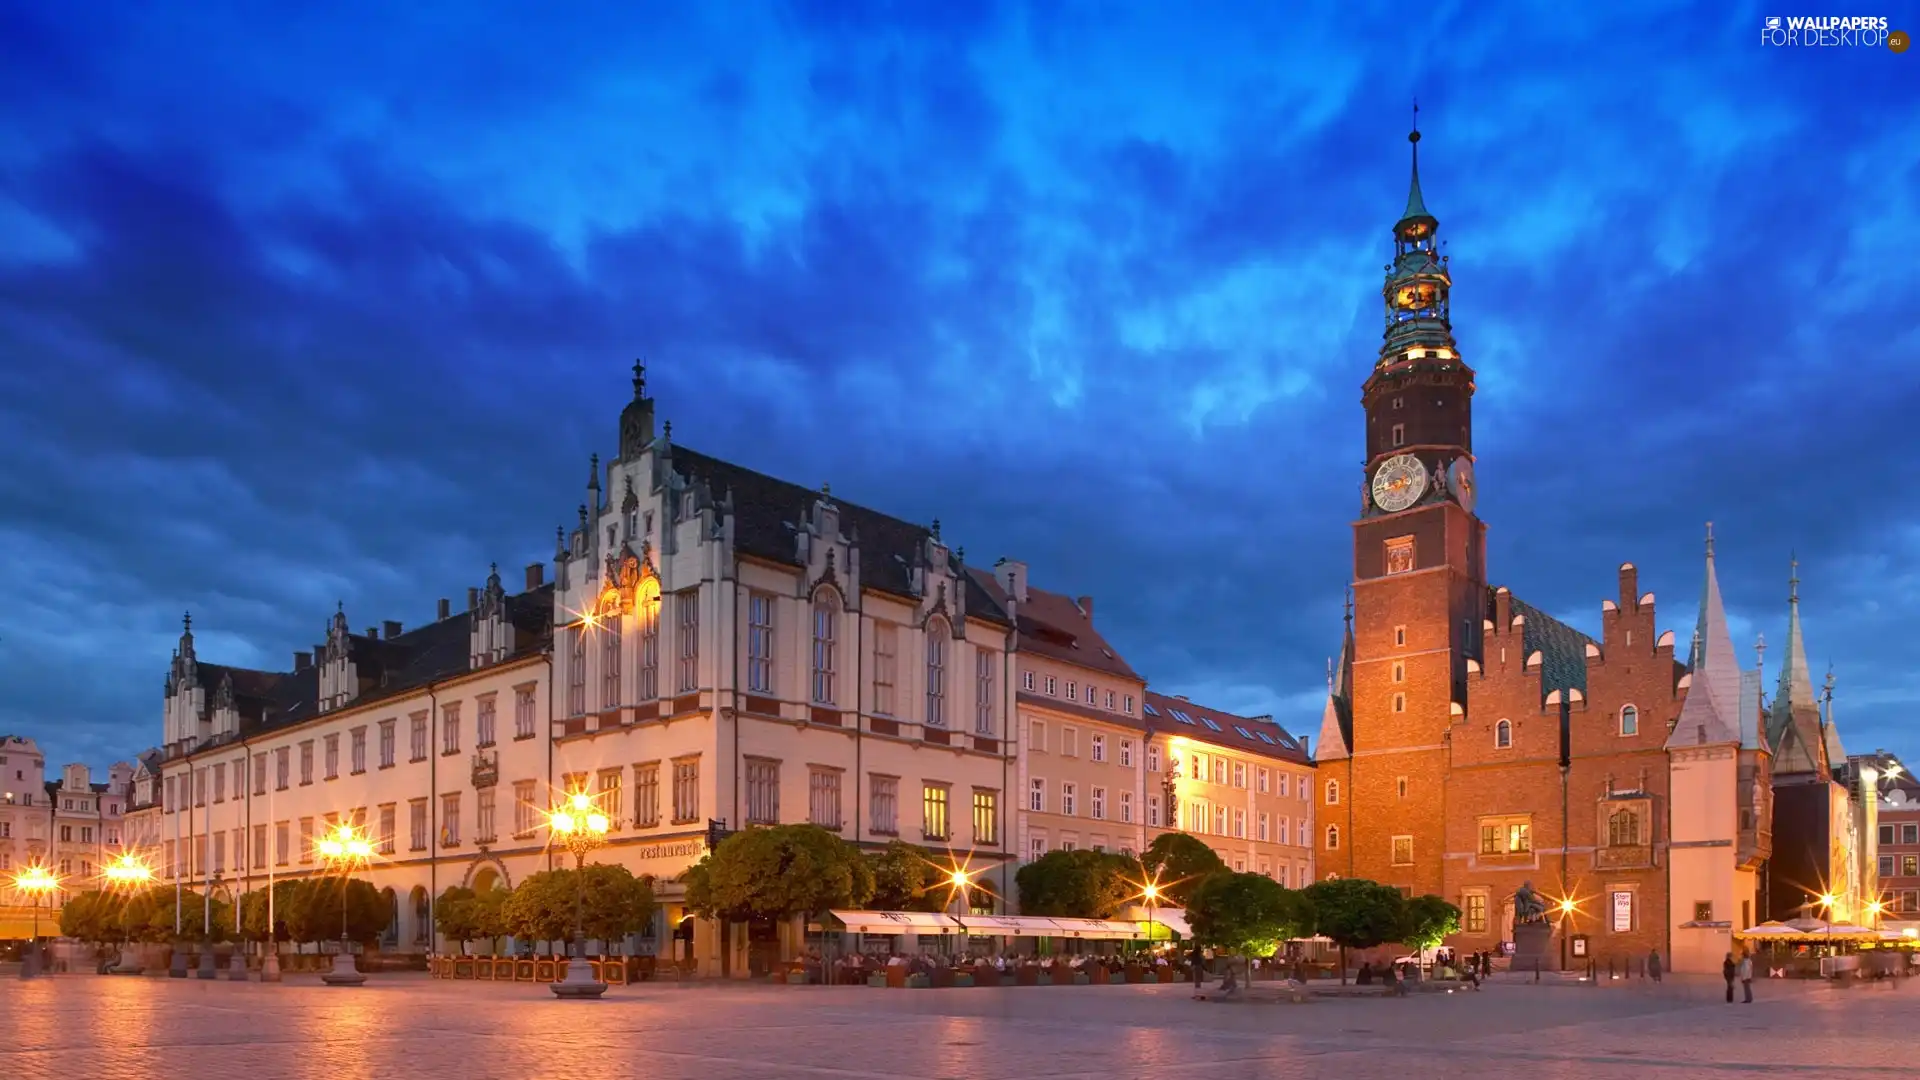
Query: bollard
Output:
(1536,971)
(1609,969)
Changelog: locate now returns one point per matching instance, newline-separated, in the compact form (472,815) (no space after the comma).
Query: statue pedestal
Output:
(1533,948)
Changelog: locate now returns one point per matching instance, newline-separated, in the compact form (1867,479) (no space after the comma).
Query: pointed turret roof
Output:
(1416,203)
(1712,710)
(1793,725)
(1336,720)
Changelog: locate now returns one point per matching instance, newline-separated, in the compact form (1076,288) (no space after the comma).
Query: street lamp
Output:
(580,829)
(1150,892)
(344,848)
(127,871)
(36,881)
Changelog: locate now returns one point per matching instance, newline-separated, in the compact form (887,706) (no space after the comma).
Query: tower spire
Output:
(1416,205)
(1712,710)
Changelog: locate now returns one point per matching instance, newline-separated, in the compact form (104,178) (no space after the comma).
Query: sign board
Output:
(1622,912)
(1580,946)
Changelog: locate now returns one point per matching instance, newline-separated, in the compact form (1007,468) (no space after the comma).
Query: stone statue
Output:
(1528,906)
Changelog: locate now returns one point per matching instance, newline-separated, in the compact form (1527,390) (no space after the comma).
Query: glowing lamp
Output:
(1567,907)
(561,821)
(1151,892)
(1827,899)
(958,878)
(36,879)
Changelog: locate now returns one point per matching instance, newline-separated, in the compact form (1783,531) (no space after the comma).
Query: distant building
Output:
(71,825)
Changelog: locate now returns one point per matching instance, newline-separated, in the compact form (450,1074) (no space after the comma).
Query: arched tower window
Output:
(1629,720)
(1503,734)
(937,634)
(1333,792)
(1333,838)
(826,644)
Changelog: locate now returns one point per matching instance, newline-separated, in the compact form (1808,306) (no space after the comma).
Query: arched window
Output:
(826,631)
(1629,720)
(647,607)
(1503,734)
(1333,838)
(937,672)
(1623,828)
(1333,793)
(577,672)
(422,916)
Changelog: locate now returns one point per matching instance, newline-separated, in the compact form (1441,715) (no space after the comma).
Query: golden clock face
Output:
(1409,297)
(1399,482)
(1460,478)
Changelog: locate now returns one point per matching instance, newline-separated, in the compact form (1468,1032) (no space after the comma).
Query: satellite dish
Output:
(1897,797)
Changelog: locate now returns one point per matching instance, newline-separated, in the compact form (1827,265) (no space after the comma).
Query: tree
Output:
(1247,914)
(1077,884)
(1425,922)
(150,917)
(1355,913)
(904,879)
(540,908)
(318,906)
(616,903)
(1178,862)
(289,897)
(777,872)
(96,917)
(457,914)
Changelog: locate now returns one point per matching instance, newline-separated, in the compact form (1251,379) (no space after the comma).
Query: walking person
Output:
(1653,965)
(1746,977)
(1729,970)
(1197,960)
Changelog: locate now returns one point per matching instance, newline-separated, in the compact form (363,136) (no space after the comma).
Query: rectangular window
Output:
(1109,701)
(1220,771)
(1153,758)
(646,795)
(1240,824)
(1886,866)
(1886,834)
(1403,851)
(1066,798)
(933,812)
(259,846)
(389,827)
(688,603)
(1240,774)
(826,647)
(577,671)
(649,610)
(1126,807)
(1036,846)
(1097,747)
(1126,753)
(823,797)
(1264,827)
(1910,866)
(1473,915)
(523,713)
(1091,694)
(417,825)
(450,728)
(983,712)
(306,762)
(763,792)
(1050,686)
(1219,821)
(524,820)
(883,804)
(1069,742)
(483,816)
(386,744)
(1037,795)
(1100,803)
(1153,811)
(1129,704)
(358,759)
(219,782)
(686,790)
(986,818)
(610,688)
(607,795)
(259,775)
(281,842)
(1037,736)
(936,675)
(759,643)
(306,840)
(1910,834)
(886,642)
(1073,690)
(483,722)
(450,820)
(333,757)
(1026,681)
(417,736)
(219,853)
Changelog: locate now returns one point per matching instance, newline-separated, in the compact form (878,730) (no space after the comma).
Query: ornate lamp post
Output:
(126,874)
(344,848)
(580,829)
(1150,892)
(36,881)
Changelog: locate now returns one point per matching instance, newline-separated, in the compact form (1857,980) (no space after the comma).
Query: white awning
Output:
(1007,926)
(1098,929)
(1168,918)
(895,922)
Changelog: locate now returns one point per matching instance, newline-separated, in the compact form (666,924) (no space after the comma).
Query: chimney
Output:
(536,575)
(446,609)
(302,661)
(473,599)
(391,628)
(373,632)
(1086,606)
(1305,748)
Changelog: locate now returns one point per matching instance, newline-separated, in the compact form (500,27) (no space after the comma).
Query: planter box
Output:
(1149,977)
(986,976)
(1080,979)
(877,980)
(1062,975)
(1116,979)
(918,982)
(963,979)
(897,976)
(546,971)
(940,977)
(463,968)
(1027,975)
(796,978)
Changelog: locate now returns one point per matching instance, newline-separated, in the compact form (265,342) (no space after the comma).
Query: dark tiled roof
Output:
(1165,714)
(768,513)
(1054,626)
(1562,649)
(387,667)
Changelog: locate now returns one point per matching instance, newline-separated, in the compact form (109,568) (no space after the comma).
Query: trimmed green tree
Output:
(776,873)
(1178,862)
(1355,913)
(1246,914)
(1077,884)
(1425,922)
(904,879)
(95,917)
(540,908)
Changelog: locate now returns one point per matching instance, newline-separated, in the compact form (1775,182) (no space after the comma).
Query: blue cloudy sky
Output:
(333,301)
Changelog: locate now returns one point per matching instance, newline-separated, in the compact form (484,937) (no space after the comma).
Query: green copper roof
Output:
(1416,205)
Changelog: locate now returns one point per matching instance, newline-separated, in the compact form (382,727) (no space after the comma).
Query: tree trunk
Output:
(1343,965)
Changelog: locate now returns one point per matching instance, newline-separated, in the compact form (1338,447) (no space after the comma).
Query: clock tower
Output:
(1419,574)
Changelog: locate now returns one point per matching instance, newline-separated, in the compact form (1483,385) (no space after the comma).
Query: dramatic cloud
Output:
(333,303)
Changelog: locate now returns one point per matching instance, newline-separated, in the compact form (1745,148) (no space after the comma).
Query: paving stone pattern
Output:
(104,1028)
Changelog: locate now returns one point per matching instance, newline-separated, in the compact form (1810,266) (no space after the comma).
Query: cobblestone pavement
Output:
(106,1028)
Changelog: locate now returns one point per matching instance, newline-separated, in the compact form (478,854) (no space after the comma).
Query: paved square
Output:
(100,1028)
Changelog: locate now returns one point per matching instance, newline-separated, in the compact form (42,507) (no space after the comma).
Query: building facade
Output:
(1472,743)
(1106,764)
(1897,847)
(72,825)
